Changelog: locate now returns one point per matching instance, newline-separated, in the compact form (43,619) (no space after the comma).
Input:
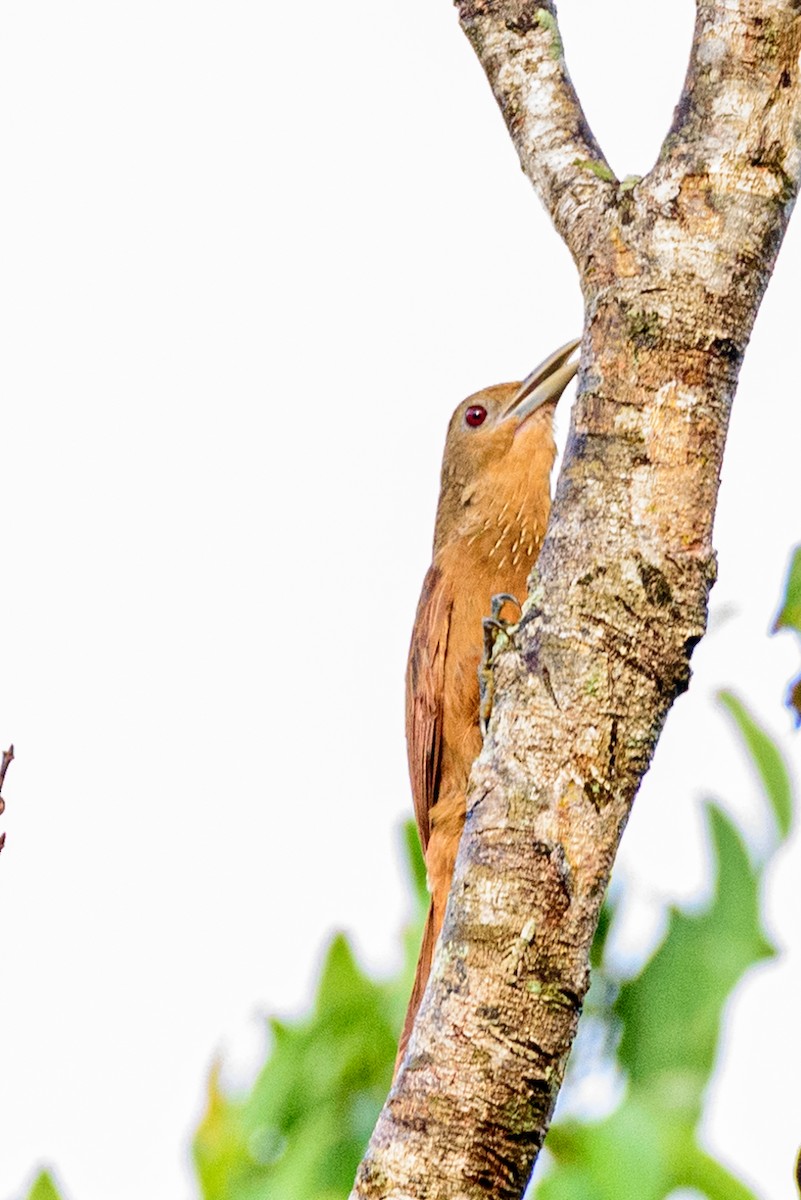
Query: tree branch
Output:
(673,270)
(519,46)
(735,100)
(8,758)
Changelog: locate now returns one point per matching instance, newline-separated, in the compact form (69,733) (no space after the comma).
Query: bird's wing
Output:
(425,675)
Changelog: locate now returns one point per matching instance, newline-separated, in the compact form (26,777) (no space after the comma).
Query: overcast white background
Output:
(252,256)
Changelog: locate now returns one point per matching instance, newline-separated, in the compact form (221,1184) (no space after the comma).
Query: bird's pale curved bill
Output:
(545,383)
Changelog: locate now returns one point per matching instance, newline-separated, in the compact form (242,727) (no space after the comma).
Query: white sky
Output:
(252,256)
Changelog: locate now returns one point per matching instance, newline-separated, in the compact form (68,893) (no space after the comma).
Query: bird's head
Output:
(499,448)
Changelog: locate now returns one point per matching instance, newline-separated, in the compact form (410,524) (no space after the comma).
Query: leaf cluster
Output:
(302,1129)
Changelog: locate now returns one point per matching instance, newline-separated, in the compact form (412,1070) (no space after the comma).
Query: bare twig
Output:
(8,758)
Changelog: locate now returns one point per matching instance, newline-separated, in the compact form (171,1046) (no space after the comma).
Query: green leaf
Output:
(415,863)
(768,761)
(712,1179)
(625,1157)
(669,1022)
(301,1131)
(643,1151)
(44,1188)
(671,1012)
(605,918)
(789,615)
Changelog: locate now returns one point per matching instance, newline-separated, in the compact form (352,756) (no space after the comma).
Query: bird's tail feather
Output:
(419,985)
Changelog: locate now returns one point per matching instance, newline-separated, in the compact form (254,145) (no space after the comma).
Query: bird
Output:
(492,512)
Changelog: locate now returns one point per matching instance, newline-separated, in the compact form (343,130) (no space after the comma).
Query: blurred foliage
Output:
(789,614)
(43,1188)
(789,617)
(664,1026)
(768,761)
(300,1131)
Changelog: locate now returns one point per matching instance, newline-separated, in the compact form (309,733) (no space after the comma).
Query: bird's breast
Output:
(477,572)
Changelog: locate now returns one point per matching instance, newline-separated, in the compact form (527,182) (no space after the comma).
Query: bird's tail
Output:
(419,985)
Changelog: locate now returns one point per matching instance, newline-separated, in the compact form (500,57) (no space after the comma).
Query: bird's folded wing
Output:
(425,675)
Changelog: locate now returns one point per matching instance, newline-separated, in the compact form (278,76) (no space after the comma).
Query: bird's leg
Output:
(496,636)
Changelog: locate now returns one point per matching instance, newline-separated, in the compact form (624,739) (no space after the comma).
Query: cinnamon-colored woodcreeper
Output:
(493,508)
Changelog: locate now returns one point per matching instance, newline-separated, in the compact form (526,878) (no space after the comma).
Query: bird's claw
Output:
(497,603)
(496,636)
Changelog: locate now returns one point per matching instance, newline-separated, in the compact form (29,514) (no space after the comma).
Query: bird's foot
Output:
(496,637)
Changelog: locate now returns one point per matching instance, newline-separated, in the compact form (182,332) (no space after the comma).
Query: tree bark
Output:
(673,268)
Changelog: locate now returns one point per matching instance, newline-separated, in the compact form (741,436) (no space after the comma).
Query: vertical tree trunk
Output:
(673,268)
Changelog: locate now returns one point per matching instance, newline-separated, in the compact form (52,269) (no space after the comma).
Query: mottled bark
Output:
(673,269)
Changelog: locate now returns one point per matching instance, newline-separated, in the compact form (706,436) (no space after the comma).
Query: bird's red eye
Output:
(475,415)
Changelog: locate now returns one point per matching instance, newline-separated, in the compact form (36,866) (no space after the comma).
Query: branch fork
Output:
(673,268)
